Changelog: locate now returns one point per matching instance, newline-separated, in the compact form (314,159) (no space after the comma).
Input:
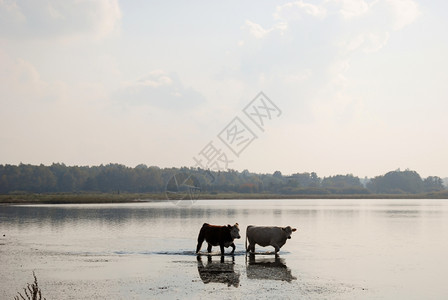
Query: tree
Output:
(341,181)
(278,174)
(343,184)
(306,179)
(433,184)
(397,182)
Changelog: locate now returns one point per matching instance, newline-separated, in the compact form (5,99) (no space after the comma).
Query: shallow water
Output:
(370,249)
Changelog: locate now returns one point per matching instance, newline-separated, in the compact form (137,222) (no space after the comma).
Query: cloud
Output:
(368,42)
(297,9)
(405,12)
(350,8)
(311,61)
(284,14)
(58,19)
(22,85)
(159,89)
(259,32)
(256,30)
(298,77)
(10,12)
(155,79)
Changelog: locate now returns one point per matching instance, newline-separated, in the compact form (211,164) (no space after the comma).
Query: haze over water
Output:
(388,249)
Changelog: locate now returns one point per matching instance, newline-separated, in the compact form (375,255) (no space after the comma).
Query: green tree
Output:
(397,182)
(433,184)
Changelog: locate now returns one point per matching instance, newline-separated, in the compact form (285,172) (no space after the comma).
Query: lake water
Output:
(343,249)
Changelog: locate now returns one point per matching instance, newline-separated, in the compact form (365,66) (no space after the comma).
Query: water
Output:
(343,249)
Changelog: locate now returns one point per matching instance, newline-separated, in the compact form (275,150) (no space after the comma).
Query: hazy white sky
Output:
(362,85)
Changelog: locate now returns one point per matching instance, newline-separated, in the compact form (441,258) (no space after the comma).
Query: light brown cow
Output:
(267,236)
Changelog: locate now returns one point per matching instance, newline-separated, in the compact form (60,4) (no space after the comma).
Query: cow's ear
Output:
(294,229)
(228,225)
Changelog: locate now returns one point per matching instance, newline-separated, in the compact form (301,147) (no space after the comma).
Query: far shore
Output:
(95,198)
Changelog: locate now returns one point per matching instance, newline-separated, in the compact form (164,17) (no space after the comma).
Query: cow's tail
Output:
(202,231)
(245,256)
(201,237)
(246,238)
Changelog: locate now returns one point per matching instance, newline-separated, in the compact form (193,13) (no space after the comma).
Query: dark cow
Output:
(267,236)
(221,236)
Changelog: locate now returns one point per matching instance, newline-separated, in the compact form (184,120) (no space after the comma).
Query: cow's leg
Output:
(201,238)
(233,248)
(209,248)
(277,248)
(251,258)
(251,248)
(198,247)
(222,248)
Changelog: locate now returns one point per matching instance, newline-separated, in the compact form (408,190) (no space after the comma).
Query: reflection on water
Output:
(232,211)
(394,213)
(221,271)
(268,269)
(106,213)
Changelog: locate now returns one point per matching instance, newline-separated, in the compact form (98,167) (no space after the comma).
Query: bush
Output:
(32,291)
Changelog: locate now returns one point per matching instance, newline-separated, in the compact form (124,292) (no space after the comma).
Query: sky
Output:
(349,86)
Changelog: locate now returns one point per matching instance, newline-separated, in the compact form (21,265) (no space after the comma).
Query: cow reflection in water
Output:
(218,271)
(268,268)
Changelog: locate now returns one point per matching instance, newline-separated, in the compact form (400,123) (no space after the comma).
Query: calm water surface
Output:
(343,249)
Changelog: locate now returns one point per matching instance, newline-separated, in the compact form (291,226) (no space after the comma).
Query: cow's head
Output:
(288,231)
(234,231)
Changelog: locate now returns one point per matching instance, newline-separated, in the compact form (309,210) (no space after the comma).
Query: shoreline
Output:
(98,198)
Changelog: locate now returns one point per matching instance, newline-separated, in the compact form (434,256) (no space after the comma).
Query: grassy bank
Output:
(230,196)
(69,198)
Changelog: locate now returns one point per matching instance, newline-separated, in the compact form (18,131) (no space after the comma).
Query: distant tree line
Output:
(115,178)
